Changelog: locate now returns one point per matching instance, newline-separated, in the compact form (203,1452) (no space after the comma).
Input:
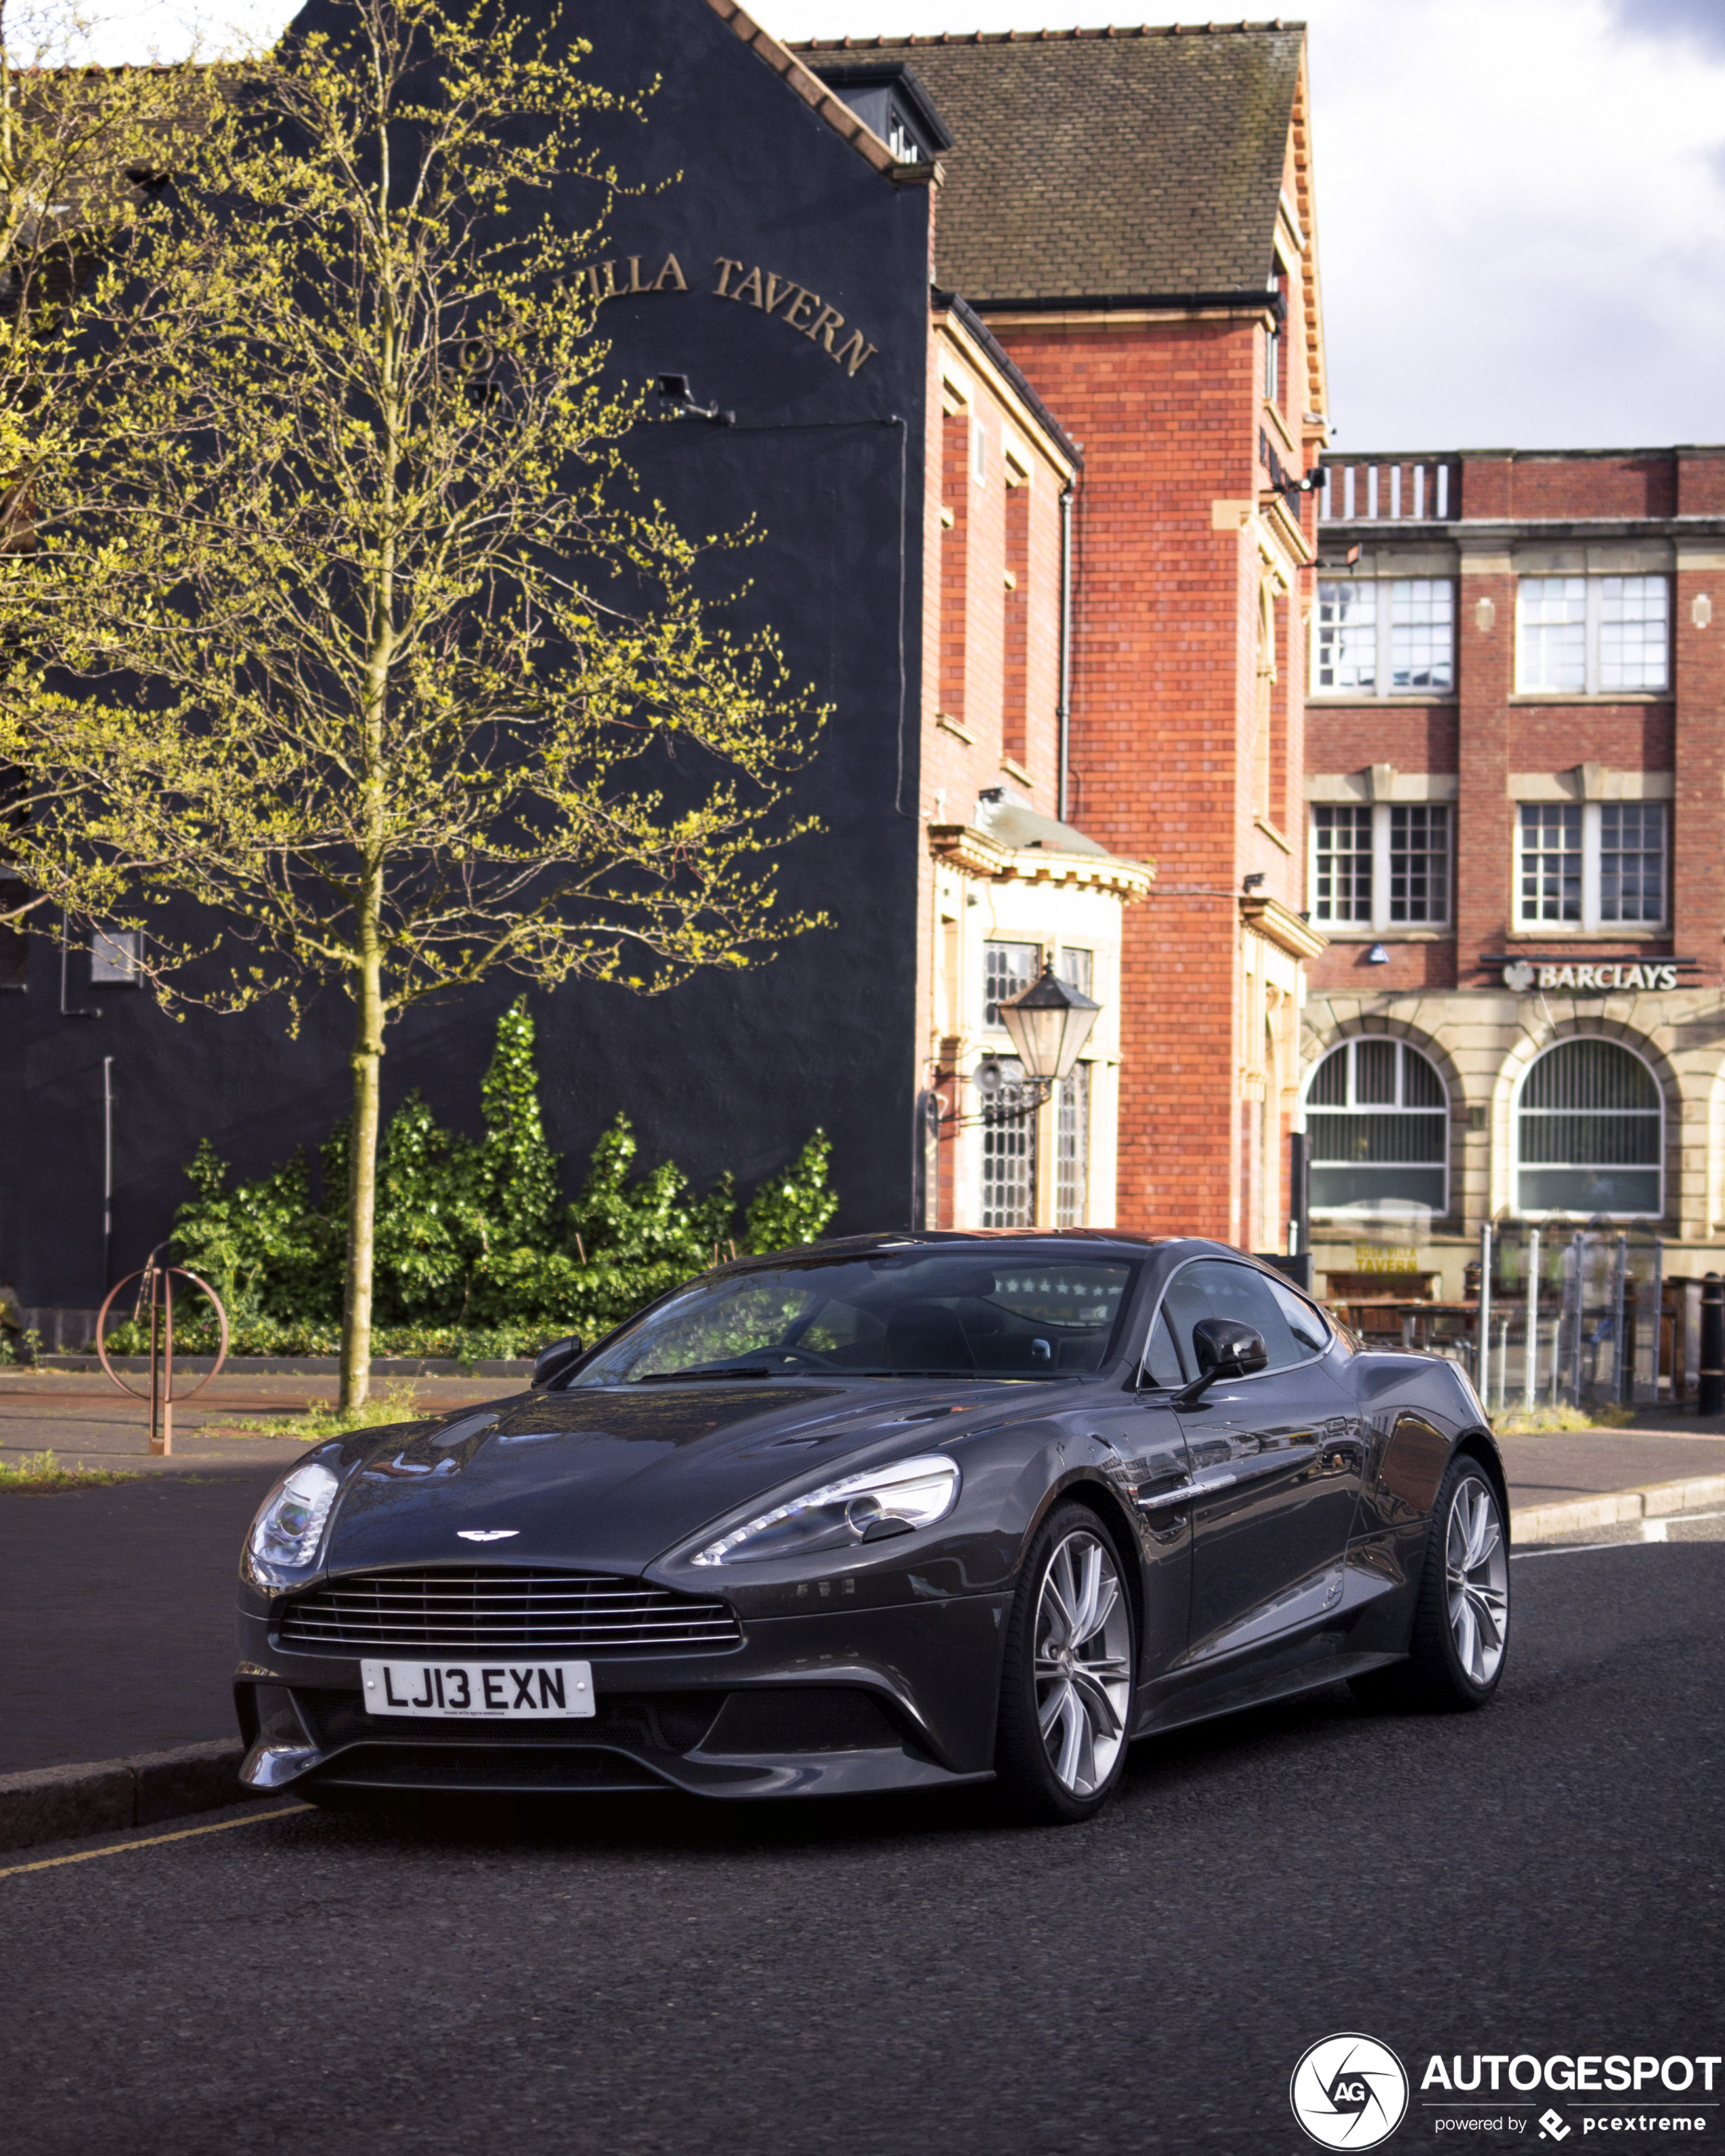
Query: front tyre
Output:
(1067,1675)
(1461,1634)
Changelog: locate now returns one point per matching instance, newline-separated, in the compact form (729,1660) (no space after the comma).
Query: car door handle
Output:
(1184,1492)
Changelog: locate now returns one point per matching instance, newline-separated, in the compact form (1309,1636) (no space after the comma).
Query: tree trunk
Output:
(368,978)
(362,1191)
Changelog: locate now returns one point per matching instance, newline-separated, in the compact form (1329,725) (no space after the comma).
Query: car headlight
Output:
(867,1508)
(291,1524)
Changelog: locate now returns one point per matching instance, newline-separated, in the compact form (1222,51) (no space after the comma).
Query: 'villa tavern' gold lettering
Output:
(670,275)
(781,297)
(804,310)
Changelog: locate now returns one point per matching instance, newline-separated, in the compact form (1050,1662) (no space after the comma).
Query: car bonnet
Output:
(610,1477)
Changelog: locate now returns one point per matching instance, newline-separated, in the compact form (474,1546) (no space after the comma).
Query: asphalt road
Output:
(662,1977)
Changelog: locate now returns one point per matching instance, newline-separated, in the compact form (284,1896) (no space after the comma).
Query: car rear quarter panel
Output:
(1415,1414)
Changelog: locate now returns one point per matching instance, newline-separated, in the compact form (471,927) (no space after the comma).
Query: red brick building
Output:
(1516,772)
(1131,216)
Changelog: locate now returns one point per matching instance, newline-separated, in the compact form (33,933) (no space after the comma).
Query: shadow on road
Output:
(673,1824)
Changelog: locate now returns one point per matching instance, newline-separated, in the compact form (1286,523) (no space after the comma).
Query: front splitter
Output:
(589,1770)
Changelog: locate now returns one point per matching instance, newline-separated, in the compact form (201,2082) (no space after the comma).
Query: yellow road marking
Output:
(154,1841)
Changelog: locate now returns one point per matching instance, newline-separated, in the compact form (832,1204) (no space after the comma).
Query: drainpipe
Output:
(107,1170)
(1063,714)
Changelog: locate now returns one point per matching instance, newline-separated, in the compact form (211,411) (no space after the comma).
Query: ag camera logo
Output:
(1350,2091)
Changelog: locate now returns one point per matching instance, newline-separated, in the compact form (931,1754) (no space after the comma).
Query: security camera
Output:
(674,393)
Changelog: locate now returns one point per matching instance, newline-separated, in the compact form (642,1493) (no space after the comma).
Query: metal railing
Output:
(1585,1320)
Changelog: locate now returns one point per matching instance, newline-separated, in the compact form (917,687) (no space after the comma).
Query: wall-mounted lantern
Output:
(1048,1024)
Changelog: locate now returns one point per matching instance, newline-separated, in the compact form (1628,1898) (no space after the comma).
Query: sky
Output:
(1520,202)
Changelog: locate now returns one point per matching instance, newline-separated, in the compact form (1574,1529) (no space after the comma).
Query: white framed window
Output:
(1382,865)
(1347,653)
(1592,636)
(902,143)
(1393,636)
(1378,1127)
(1589,1134)
(1009,1152)
(1072,1148)
(1077,968)
(1008,970)
(1588,866)
(1422,634)
(116,958)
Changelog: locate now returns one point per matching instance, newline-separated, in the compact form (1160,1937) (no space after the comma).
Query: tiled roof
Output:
(1125,164)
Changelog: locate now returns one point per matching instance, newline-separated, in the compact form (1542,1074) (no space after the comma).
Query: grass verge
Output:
(41,1471)
(398,1402)
(1543,1420)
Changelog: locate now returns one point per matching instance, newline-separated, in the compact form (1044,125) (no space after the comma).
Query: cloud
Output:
(1531,253)
(1702,22)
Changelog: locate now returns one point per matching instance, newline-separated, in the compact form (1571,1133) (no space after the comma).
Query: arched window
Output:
(1589,1133)
(1377,1118)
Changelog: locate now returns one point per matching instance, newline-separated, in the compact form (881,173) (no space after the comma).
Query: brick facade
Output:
(1131,213)
(1498,740)
(1178,535)
(989,747)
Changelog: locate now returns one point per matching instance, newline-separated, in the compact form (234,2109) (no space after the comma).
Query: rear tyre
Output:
(1067,1674)
(1460,1636)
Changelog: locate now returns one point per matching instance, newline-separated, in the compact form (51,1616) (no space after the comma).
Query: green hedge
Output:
(475,1249)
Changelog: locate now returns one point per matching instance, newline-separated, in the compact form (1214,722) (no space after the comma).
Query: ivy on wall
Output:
(471,1233)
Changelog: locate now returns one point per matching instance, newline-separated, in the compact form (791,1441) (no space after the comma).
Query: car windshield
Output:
(922,1313)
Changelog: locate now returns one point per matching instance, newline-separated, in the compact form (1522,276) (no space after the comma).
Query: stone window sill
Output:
(1569,932)
(1592,697)
(1386,935)
(1345,699)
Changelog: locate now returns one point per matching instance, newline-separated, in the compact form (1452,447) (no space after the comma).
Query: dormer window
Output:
(886,95)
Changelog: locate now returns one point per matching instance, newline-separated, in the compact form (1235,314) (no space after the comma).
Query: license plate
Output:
(484,1691)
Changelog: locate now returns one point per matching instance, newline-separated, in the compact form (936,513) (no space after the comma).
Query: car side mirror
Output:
(1224,1348)
(554,1359)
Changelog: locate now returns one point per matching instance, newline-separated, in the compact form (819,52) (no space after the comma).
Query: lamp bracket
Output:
(951,1120)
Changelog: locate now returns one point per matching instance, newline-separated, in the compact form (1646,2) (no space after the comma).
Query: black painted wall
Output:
(728,1071)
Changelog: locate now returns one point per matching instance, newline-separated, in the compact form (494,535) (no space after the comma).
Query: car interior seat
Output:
(927,1335)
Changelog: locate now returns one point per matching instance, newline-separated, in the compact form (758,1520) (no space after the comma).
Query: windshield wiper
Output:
(918,1374)
(699,1370)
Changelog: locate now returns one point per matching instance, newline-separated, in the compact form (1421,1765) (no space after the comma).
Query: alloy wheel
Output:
(1083,1663)
(1476,1567)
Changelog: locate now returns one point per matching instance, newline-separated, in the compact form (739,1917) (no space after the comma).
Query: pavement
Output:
(84,1420)
(1661,1446)
(632,1978)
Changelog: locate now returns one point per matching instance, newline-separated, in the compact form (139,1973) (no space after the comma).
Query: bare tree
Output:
(346,654)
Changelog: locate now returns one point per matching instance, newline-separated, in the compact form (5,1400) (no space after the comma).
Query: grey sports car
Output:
(891,1513)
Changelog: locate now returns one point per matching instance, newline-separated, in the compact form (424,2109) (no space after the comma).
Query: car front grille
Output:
(485,1609)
